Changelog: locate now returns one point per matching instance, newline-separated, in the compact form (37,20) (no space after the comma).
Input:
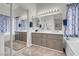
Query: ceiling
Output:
(27,5)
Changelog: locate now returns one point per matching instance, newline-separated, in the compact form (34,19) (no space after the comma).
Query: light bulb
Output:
(50,11)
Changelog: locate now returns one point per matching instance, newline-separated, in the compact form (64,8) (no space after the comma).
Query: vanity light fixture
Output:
(53,10)
(48,11)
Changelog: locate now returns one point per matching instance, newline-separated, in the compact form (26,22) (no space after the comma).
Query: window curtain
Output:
(72,28)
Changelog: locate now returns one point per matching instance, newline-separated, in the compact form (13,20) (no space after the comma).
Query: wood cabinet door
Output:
(36,38)
(16,36)
(24,34)
(38,41)
(55,42)
(59,42)
(51,43)
(33,39)
(60,45)
(20,36)
(44,40)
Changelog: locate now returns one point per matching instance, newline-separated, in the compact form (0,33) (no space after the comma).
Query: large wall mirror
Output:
(58,22)
(50,22)
(36,22)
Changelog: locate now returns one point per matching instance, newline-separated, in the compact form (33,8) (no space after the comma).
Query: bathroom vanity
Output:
(49,40)
(50,33)
(22,36)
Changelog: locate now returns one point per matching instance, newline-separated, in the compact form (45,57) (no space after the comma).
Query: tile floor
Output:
(17,44)
(35,50)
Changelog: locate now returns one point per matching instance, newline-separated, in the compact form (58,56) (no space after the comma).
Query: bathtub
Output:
(72,46)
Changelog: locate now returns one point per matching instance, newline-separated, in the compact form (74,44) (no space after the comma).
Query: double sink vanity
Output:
(46,39)
(45,31)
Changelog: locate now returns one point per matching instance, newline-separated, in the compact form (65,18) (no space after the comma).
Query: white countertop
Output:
(44,31)
(49,32)
(22,31)
(41,31)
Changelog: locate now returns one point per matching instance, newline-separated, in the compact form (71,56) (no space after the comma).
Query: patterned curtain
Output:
(72,28)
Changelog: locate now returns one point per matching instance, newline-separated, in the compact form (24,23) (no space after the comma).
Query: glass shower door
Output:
(5,44)
(19,28)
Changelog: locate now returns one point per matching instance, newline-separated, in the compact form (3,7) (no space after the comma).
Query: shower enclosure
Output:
(5,28)
(20,28)
(13,29)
